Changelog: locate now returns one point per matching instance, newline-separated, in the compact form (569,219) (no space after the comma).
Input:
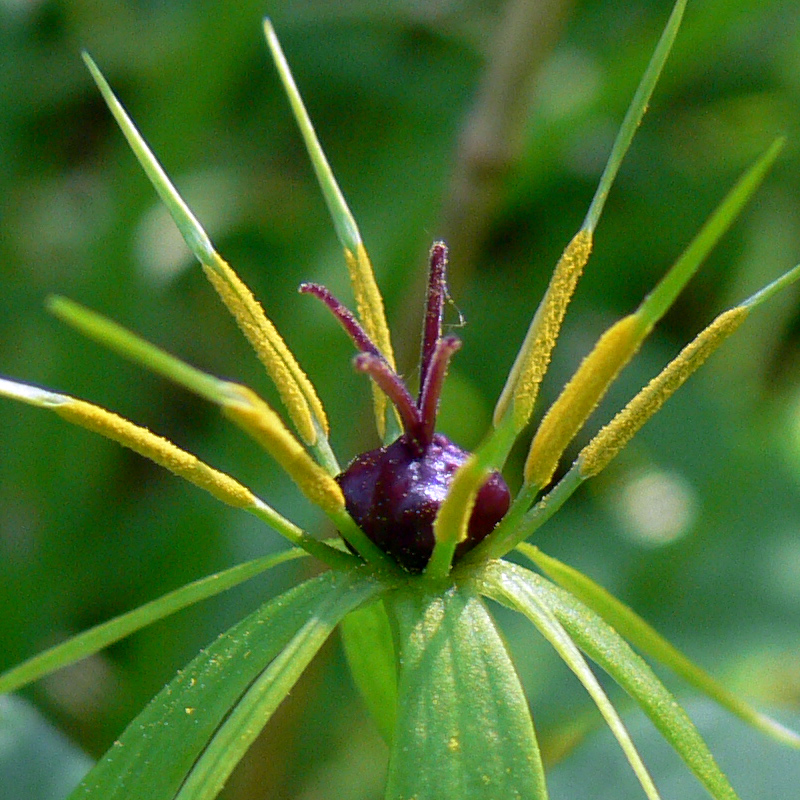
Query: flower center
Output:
(394,493)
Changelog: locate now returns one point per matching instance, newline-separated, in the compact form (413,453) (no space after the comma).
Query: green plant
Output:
(441,686)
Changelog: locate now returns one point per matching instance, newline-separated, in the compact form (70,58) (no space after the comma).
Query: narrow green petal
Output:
(513,587)
(634,115)
(127,344)
(630,625)
(252,712)
(97,638)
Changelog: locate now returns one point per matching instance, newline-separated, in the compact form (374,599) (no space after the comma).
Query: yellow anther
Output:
(519,393)
(157,449)
(295,389)
(613,437)
(373,317)
(579,397)
(255,417)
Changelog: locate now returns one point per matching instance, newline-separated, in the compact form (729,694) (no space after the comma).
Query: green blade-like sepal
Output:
(639,633)
(605,647)
(107,633)
(510,586)
(184,716)
(463,725)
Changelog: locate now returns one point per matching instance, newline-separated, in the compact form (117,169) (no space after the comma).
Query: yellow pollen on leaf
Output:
(257,419)
(373,317)
(157,449)
(579,397)
(295,389)
(615,436)
(519,393)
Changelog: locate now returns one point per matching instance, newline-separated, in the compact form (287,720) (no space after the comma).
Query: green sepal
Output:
(642,636)
(252,712)
(367,639)
(463,725)
(512,586)
(613,654)
(161,746)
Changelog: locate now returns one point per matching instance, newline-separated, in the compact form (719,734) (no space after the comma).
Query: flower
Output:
(426,526)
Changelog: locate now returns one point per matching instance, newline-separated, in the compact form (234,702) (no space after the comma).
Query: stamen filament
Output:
(579,397)
(296,391)
(522,386)
(612,438)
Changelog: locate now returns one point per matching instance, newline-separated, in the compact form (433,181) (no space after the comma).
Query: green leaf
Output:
(367,638)
(512,586)
(251,713)
(639,633)
(95,639)
(463,725)
(611,652)
(151,759)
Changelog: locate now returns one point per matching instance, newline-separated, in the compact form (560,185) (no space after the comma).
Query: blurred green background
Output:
(697,525)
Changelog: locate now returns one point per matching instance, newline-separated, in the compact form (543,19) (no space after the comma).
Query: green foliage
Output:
(387,89)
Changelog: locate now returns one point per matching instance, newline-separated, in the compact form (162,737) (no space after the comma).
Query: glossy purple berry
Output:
(394,493)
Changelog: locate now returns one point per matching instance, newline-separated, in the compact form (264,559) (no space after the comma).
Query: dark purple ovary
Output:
(394,494)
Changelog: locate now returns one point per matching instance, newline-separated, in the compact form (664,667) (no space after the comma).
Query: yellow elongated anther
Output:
(296,390)
(579,397)
(369,303)
(612,438)
(157,449)
(522,386)
(258,420)
(368,298)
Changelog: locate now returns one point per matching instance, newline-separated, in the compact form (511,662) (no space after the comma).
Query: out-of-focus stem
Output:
(491,139)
